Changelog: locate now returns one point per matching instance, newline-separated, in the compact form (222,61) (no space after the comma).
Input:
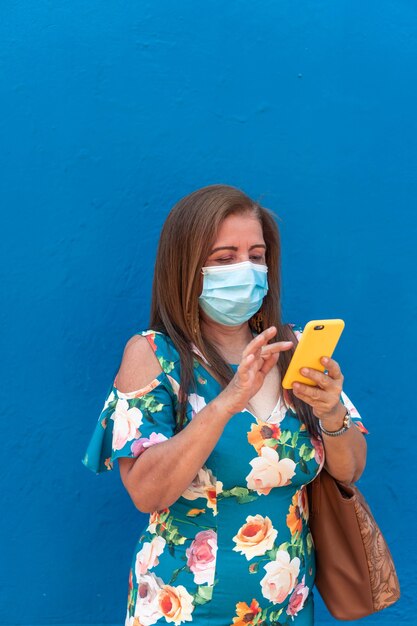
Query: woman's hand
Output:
(258,359)
(346,455)
(324,397)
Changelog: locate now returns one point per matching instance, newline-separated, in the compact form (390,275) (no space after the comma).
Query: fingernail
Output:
(325,360)
(304,371)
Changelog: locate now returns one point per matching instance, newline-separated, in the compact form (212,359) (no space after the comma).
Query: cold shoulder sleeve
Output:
(131,422)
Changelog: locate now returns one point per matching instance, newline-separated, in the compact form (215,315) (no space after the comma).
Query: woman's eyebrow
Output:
(235,249)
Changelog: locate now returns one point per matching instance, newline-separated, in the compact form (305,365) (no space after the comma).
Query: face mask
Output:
(233,293)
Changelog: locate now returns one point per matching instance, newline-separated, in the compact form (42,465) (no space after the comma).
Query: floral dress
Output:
(235,548)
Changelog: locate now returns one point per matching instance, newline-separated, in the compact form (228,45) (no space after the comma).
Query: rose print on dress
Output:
(269,471)
(175,604)
(162,524)
(147,606)
(126,424)
(255,537)
(139,445)
(201,557)
(157,518)
(298,599)
(319,451)
(205,486)
(280,578)
(197,402)
(147,557)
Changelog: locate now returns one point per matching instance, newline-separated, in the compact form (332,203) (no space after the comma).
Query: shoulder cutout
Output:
(139,365)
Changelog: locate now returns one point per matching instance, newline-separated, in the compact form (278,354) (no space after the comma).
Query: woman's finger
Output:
(269,362)
(260,340)
(309,394)
(332,367)
(277,346)
(245,366)
(270,354)
(322,380)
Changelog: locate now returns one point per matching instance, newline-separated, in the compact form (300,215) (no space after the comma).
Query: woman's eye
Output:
(224,260)
(257,258)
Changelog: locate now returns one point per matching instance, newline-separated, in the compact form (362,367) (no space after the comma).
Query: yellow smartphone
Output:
(318,339)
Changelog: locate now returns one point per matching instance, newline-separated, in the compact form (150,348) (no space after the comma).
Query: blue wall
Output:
(110,112)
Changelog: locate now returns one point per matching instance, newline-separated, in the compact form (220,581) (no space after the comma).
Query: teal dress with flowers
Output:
(235,548)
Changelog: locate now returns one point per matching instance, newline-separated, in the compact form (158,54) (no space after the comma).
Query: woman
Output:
(208,442)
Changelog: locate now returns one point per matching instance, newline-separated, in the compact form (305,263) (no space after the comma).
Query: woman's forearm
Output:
(345,454)
(164,471)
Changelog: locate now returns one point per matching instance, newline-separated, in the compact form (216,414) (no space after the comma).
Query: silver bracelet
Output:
(347,423)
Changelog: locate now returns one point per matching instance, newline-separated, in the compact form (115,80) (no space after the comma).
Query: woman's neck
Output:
(230,341)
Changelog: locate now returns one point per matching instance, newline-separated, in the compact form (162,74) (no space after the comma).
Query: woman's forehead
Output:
(236,227)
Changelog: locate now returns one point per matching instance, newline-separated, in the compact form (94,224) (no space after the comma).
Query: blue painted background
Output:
(110,112)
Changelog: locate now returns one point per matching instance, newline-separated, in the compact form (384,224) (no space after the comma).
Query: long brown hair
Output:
(186,240)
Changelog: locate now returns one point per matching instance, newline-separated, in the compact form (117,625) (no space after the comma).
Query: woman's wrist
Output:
(335,421)
(223,407)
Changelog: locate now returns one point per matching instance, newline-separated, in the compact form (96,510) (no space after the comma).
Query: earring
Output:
(258,322)
(194,325)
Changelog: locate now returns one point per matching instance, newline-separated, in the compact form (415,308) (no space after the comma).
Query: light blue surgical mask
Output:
(233,293)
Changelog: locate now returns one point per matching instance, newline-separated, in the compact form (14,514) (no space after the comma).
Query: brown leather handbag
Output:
(355,573)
